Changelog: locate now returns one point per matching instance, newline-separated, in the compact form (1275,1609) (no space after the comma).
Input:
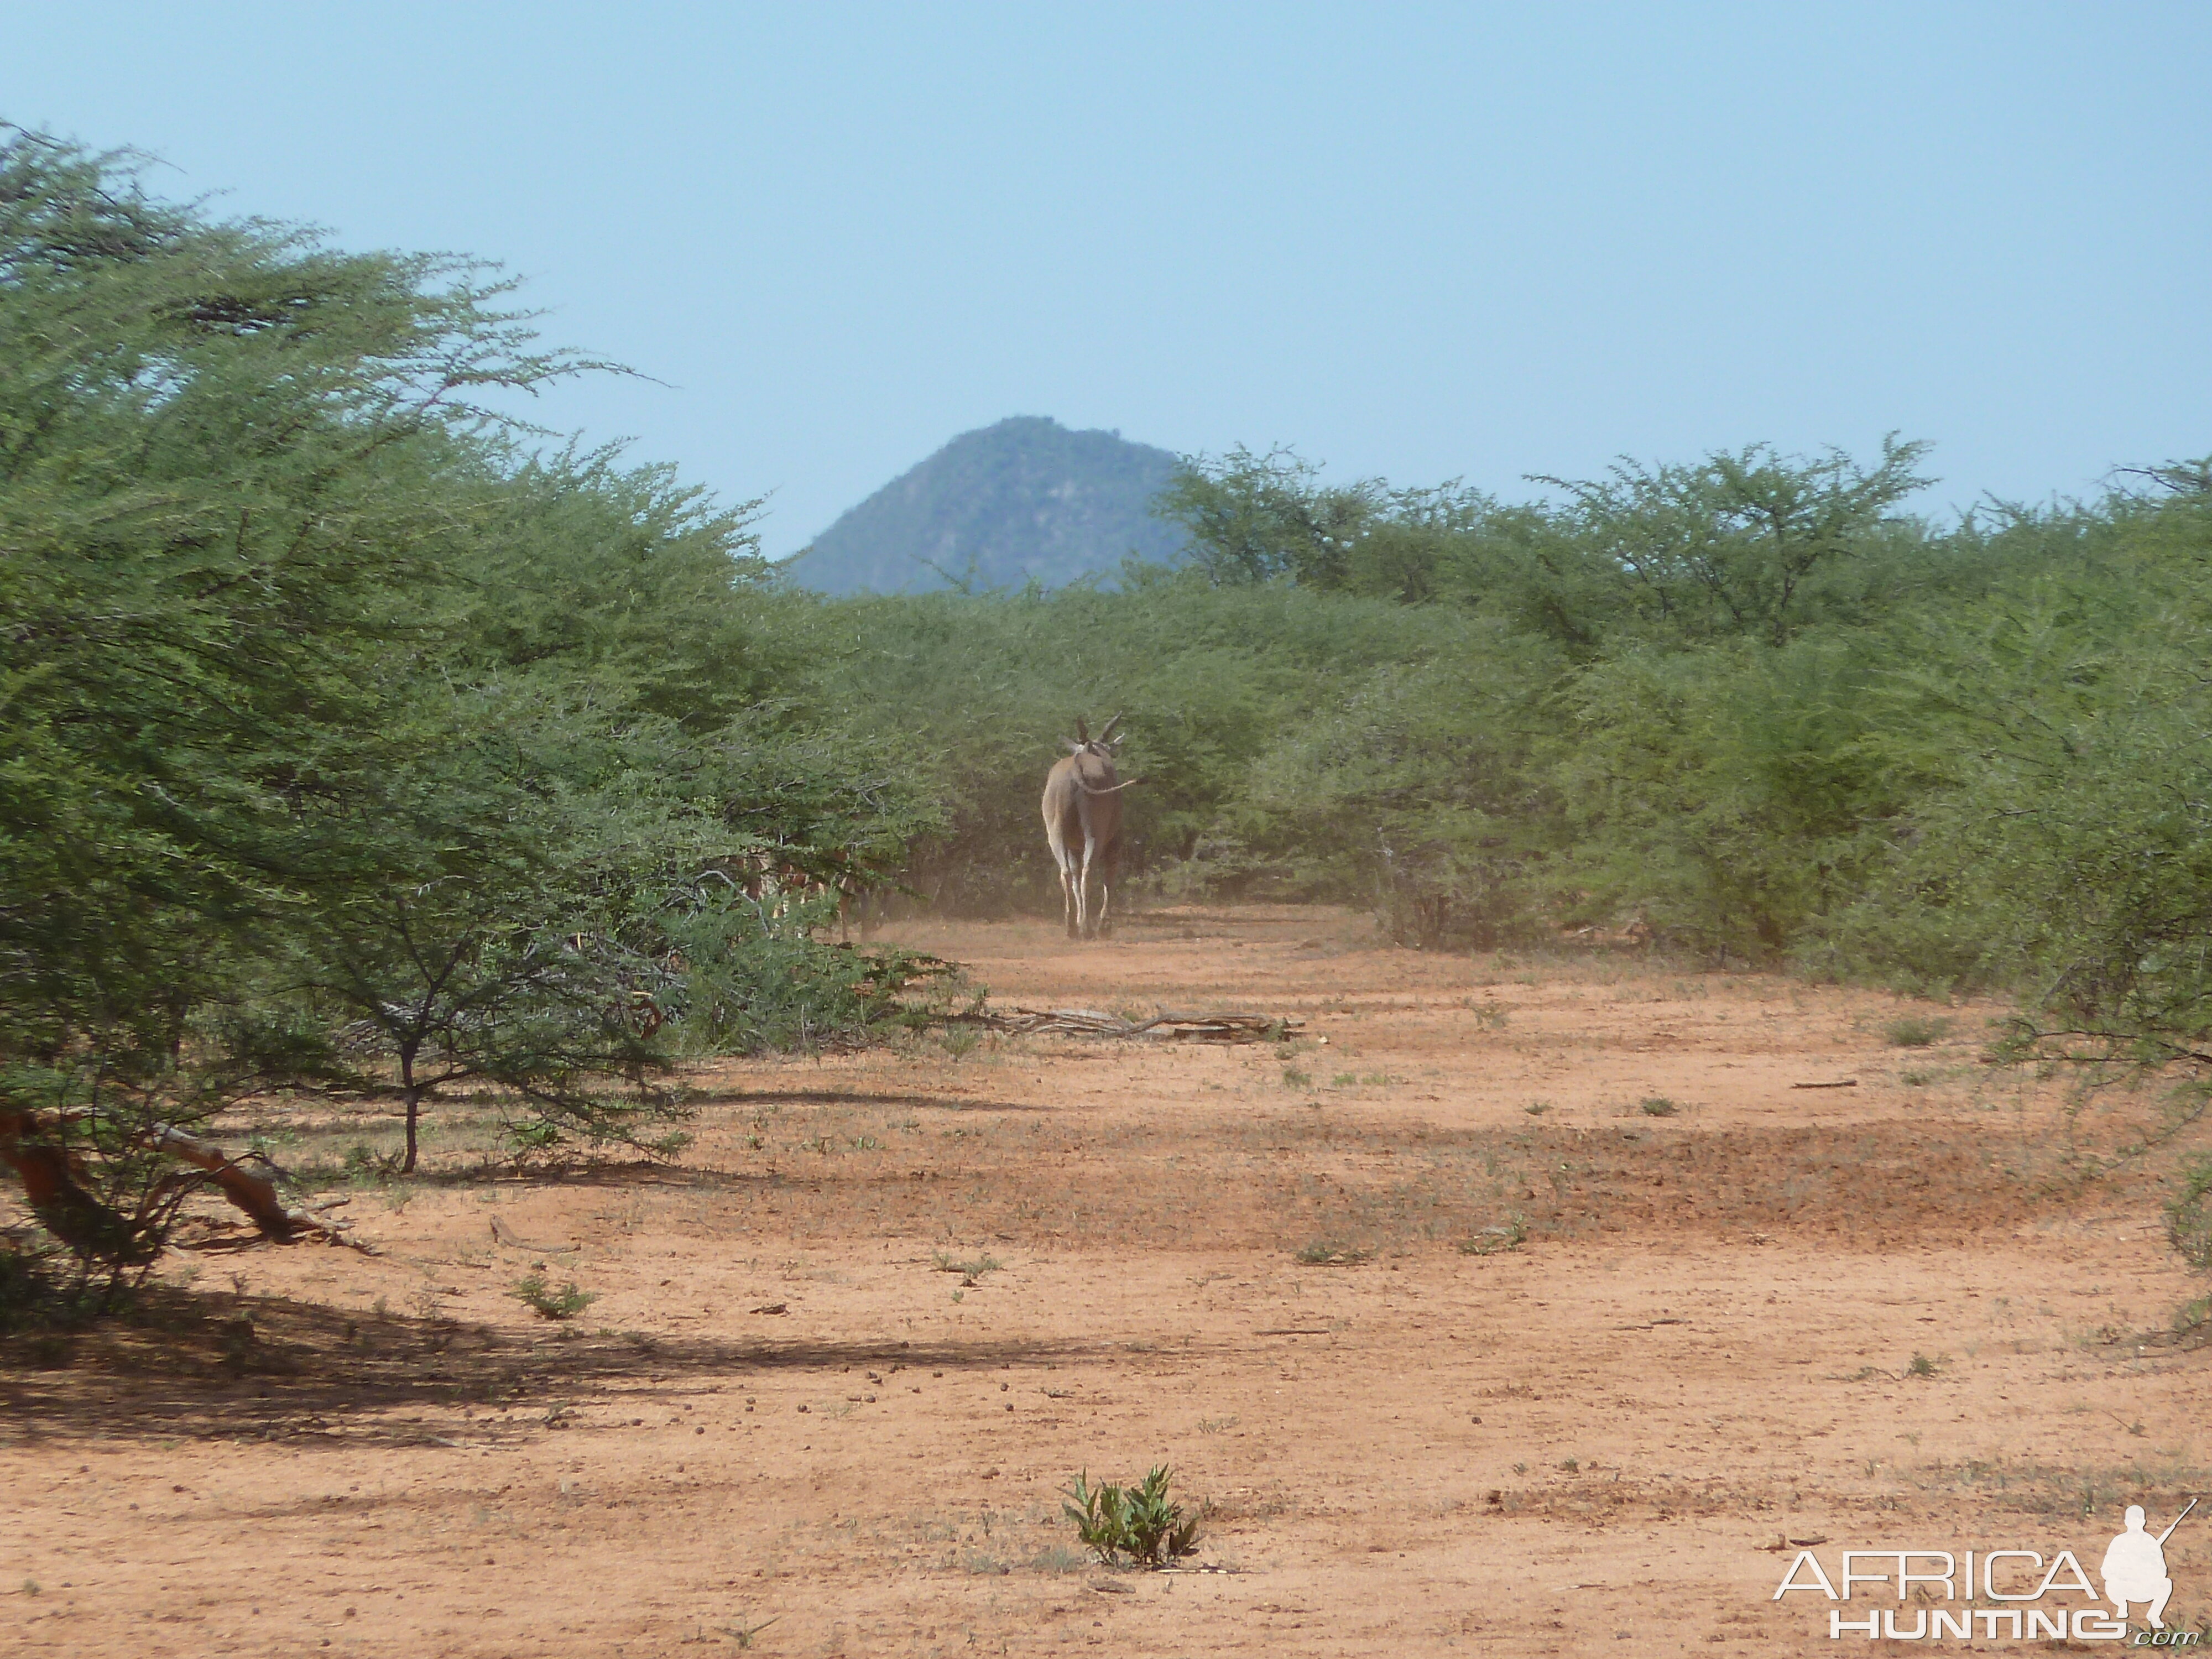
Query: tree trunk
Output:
(412,1093)
(60,1201)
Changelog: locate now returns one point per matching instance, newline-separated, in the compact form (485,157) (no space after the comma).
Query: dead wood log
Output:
(1232,1027)
(254,1193)
(69,1210)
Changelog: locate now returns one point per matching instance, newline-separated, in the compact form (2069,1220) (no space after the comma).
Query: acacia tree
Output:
(227,455)
(1733,544)
(2062,841)
(496,923)
(1255,518)
(344,740)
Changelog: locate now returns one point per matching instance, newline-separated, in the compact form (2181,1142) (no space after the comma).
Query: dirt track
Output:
(782,1407)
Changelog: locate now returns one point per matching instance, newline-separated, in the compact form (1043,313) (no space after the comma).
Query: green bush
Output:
(534,1291)
(1139,1524)
(2188,1215)
(754,981)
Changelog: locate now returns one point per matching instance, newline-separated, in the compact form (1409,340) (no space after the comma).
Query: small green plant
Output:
(863,1143)
(1140,1523)
(743,1635)
(961,1043)
(1572,1465)
(363,1164)
(564,1304)
(1923,1365)
(1344,1080)
(970,1270)
(1490,1015)
(1916,1076)
(1490,1241)
(1328,1252)
(2193,1320)
(1537,1108)
(1659,1106)
(1914,1032)
(1295,1078)
(528,1138)
(2188,1215)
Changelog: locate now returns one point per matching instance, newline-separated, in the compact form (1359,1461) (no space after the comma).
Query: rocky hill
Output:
(1025,499)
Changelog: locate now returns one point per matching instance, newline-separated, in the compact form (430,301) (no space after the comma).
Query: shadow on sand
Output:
(182,1365)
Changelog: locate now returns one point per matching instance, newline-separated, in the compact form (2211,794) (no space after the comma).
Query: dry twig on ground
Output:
(1163,1027)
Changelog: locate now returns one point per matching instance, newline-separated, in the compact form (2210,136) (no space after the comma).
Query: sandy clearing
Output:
(1240,1261)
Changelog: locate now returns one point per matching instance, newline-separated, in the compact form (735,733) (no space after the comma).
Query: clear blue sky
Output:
(1416,241)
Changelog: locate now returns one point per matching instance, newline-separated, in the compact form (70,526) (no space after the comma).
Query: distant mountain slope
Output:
(1025,498)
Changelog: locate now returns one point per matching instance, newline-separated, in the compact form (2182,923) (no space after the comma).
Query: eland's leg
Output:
(1062,861)
(1083,924)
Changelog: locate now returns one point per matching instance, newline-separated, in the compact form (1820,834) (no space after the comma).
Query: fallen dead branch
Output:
(1171,1028)
(249,1190)
(1848,1083)
(54,1180)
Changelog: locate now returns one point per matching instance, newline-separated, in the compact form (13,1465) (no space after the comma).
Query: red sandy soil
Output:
(784,1425)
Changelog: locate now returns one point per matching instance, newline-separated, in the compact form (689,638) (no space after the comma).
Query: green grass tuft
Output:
(1914,1032)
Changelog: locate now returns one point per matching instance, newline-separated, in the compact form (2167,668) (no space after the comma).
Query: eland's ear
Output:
(1082,732)
(1074,747)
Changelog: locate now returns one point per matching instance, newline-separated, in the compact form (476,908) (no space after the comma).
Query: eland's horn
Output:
(1082,732)
(1107,735)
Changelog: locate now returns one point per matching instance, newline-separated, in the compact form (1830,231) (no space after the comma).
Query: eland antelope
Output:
(1082,823)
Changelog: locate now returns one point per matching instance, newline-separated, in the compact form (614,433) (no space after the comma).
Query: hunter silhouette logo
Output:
(2026,1595)
(2135,1567)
